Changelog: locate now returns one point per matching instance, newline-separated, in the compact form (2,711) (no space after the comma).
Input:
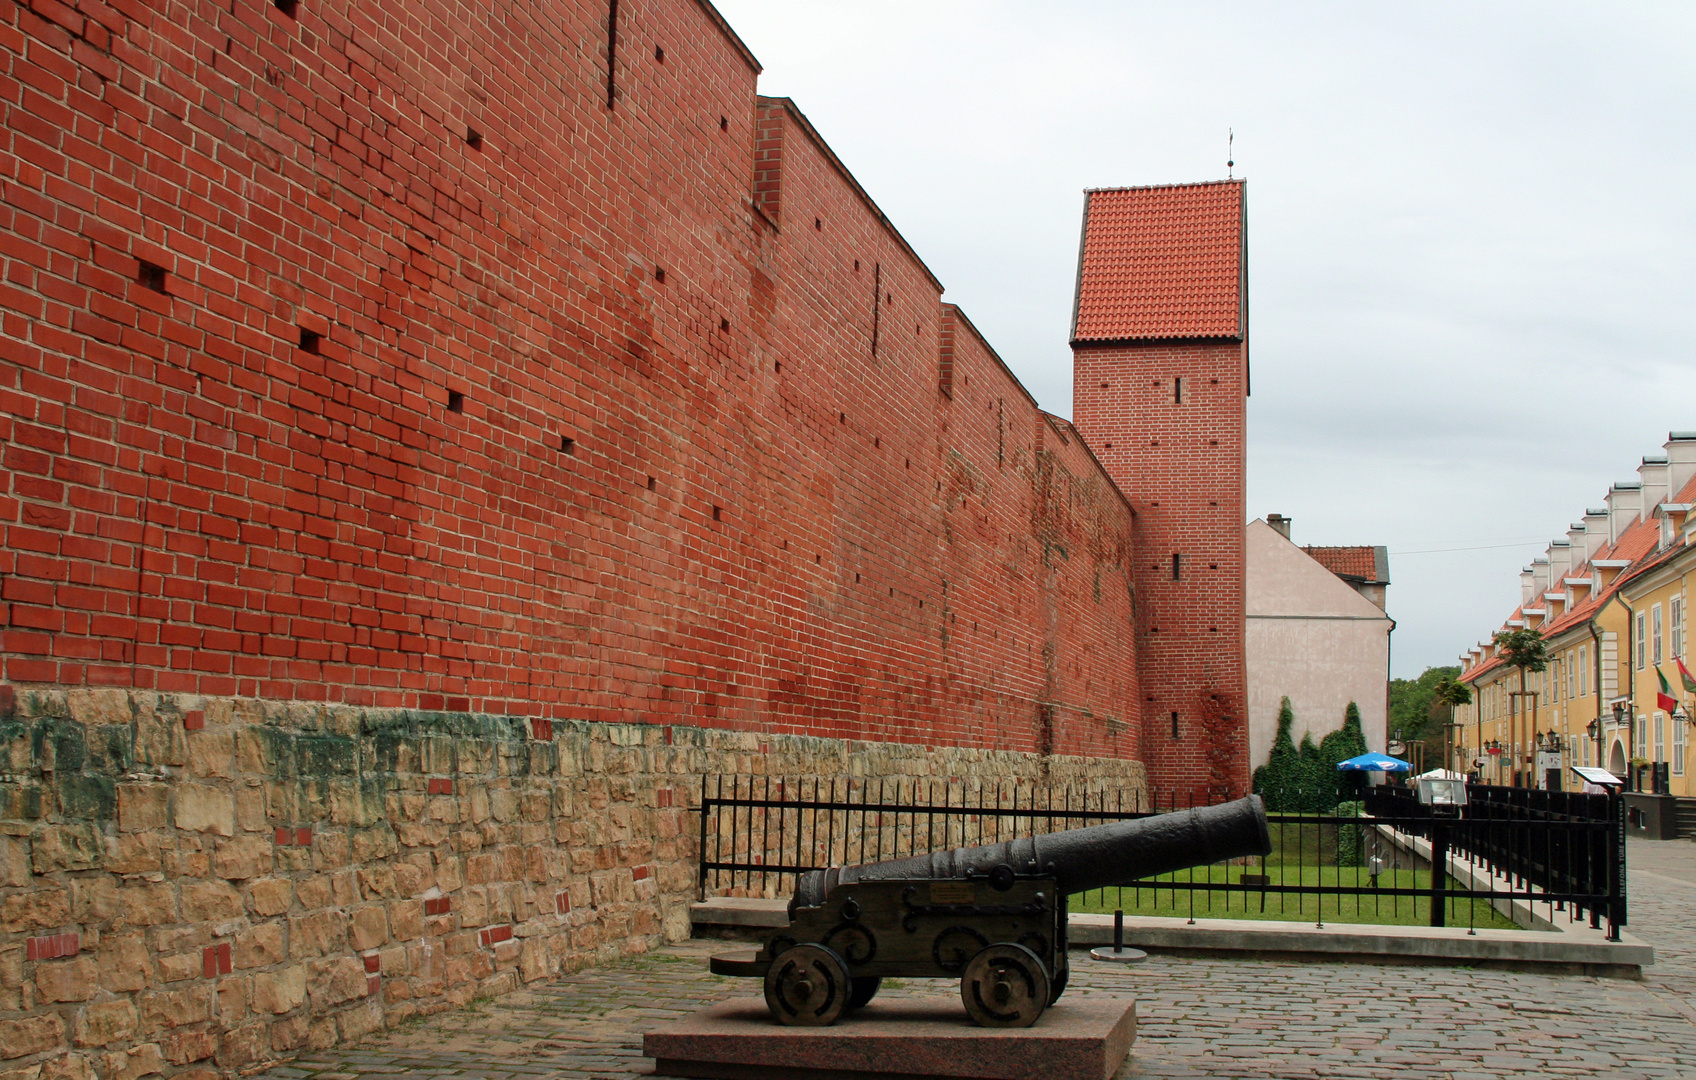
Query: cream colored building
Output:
(1315,635)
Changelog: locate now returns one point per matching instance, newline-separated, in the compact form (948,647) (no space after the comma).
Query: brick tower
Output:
(1160,382)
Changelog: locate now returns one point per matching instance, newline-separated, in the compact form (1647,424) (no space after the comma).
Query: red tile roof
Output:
(1637,544)
(1162,262)
(1350,562)
(1686,494)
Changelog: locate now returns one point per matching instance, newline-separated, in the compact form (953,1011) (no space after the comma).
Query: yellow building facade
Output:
(1610,601)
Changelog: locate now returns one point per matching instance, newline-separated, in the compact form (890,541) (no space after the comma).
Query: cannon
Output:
(993,916)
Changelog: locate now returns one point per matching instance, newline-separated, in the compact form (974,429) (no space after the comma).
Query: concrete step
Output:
(1685,819)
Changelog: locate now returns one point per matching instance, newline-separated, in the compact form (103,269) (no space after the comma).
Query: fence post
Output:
(701,855)
(1616,863)
(1439,864)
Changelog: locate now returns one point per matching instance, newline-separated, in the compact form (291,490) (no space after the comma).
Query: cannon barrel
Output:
(1116,853)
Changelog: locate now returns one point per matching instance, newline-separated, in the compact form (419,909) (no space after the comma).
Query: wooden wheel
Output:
(861,989)
(807,986)
(1005,985)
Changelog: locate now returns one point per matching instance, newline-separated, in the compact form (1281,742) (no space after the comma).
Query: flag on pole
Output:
(1663,698)
(1684,673)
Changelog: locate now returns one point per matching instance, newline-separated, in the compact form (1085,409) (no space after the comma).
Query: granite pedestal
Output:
(1081,1038)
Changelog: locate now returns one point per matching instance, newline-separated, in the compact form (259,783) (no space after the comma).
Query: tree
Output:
(1525,649)
(1449,695)
(1414,711)
(1277,780)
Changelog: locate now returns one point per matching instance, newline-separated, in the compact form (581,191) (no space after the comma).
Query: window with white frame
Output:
(1675,620)
(1660,736)
(1640,738)
(1677,748)
(1655,634)
(1583,670)
(1642,628)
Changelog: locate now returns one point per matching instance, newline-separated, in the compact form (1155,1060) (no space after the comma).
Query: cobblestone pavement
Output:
(1199,1017)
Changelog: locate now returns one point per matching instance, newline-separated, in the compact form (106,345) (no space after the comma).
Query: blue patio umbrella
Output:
(1374,763)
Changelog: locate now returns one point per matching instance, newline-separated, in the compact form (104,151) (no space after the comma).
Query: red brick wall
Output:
(1183,463)
(759,521)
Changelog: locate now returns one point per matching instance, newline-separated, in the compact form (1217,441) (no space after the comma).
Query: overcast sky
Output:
(1470,234)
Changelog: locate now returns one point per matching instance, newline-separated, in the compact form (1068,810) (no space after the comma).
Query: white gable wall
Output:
(1312,638)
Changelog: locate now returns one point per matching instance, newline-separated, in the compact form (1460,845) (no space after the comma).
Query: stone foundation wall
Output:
(195,886)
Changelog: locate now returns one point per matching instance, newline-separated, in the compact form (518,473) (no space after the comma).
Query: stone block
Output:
(37,909)
(14,861)
(184,1047)
(66,847)
(200,808)
(159,735)
(243,858)
(370,928)
(322,933)
(94,899)
(331,982)
(143,806)
(289,1033)
(133,853)
(149,904)
(279,990)
(406,920)
(177,967)
(205,901)
(270,896)
(68,1067)
(233,997)
(144,1060)
(261,946)
(174,1008)
(105,1023)
(357,1023)
(66,980)
(211,753)
(125,963)
(314,892)
(241,1047)
(31,1035)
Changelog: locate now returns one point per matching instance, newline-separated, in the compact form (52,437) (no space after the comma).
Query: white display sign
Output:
(1599,777)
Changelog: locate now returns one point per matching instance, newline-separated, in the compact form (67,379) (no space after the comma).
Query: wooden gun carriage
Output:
(993,917)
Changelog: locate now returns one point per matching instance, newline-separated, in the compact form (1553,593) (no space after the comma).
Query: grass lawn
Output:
(1151,899)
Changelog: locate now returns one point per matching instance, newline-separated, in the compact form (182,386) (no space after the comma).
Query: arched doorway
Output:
(1616,760)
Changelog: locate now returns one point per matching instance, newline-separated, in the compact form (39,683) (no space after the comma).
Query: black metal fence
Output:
(1511,857)
(758,832)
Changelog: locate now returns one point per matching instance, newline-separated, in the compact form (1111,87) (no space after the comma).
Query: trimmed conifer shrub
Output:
(1277,780)
(1344,743)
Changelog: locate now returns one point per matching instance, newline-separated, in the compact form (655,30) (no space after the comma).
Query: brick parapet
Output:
(390,362)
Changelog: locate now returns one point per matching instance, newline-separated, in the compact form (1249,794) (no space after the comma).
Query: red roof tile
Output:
(1162,262)
(1351,562)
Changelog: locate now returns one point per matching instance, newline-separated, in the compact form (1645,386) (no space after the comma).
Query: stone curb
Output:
(1580,949)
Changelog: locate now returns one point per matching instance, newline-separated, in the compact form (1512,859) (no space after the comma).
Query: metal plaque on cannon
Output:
(993,917)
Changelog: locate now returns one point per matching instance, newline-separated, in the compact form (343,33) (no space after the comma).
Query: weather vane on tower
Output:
(1230,152)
